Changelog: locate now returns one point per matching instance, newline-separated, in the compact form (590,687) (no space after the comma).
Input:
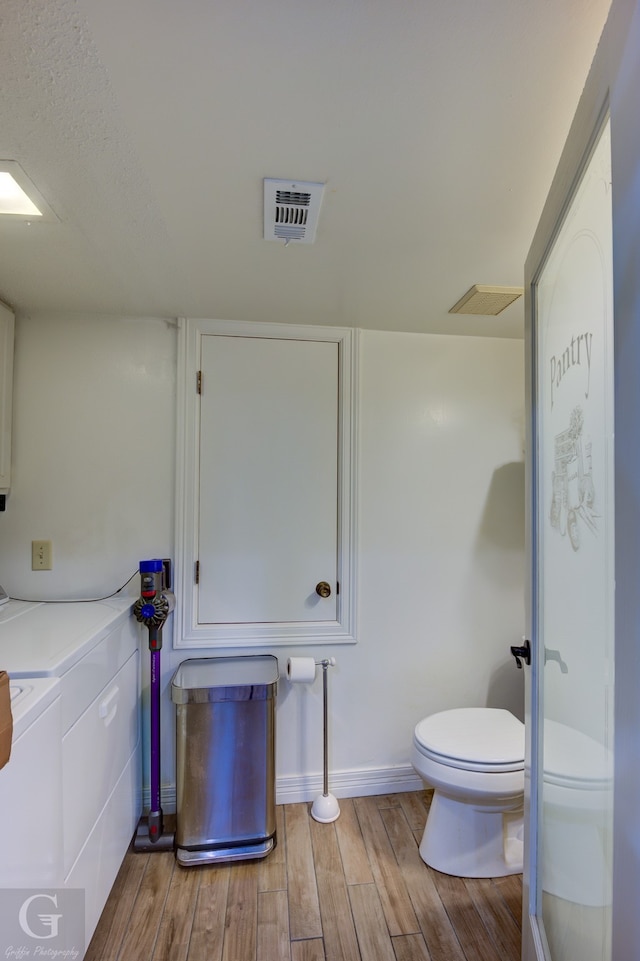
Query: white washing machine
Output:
(31,787)
(47,639)
(90,653)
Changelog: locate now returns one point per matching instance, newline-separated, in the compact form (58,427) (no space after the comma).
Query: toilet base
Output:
(472,841)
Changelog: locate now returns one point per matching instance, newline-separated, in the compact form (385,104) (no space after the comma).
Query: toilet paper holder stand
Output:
(325,808)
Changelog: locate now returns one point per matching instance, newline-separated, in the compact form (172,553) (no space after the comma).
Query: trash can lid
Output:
(248,677)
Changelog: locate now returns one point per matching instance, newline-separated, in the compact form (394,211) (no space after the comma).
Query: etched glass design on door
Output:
(574,315)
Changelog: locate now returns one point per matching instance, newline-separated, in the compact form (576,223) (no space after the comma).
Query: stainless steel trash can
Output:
(225,758)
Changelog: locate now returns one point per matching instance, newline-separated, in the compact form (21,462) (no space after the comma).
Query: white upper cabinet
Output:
(265,485)
(6,394)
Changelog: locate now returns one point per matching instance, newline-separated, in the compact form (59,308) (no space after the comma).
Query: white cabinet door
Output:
(268,480)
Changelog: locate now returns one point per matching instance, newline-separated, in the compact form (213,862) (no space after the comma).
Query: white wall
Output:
(441,552)
(93,452)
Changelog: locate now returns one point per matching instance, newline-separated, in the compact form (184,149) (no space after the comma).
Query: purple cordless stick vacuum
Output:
(152,609)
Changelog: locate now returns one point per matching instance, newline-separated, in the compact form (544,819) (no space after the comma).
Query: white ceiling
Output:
(148,126)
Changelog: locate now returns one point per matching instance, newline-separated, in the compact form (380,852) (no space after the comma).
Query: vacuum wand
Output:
(152,609)
(155,818)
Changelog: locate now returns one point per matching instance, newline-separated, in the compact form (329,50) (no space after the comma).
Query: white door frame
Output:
(188,632)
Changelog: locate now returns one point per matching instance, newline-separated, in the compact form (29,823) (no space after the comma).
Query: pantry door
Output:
(582,781)
(574,573)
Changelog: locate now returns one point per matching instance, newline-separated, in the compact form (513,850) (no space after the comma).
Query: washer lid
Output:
(482,736)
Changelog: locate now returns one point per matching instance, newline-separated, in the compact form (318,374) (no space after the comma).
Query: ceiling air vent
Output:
(291,210)
(489,301)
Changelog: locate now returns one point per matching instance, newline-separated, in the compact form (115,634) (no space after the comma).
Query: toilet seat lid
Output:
(477,738)
(572,758)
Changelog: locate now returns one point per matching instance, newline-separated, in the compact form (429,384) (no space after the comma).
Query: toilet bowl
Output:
(474,760)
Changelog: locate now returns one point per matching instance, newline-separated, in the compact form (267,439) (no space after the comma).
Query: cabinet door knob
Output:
(323,589)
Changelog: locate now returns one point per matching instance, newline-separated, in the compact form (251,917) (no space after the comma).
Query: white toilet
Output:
(577,801)
(474,759)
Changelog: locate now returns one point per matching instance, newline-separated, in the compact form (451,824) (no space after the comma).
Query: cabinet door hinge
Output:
(199,382)
(197,572)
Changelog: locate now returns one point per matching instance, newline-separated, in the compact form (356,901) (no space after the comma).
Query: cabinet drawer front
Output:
(88,677)
(95,752)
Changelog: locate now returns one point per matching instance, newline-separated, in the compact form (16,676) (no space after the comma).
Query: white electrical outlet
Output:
(41,554)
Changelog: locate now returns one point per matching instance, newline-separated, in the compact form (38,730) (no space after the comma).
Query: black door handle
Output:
(522,653)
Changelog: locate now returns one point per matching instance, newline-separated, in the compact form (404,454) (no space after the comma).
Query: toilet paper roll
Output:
(301,669)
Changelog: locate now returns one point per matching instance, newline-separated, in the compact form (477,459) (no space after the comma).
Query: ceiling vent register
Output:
(488,301)
(291,210)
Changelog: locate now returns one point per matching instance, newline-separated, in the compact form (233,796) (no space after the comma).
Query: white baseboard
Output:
(359,783)
(362,782)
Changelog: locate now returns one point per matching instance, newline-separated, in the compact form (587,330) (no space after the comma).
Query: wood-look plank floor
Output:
(353,890)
